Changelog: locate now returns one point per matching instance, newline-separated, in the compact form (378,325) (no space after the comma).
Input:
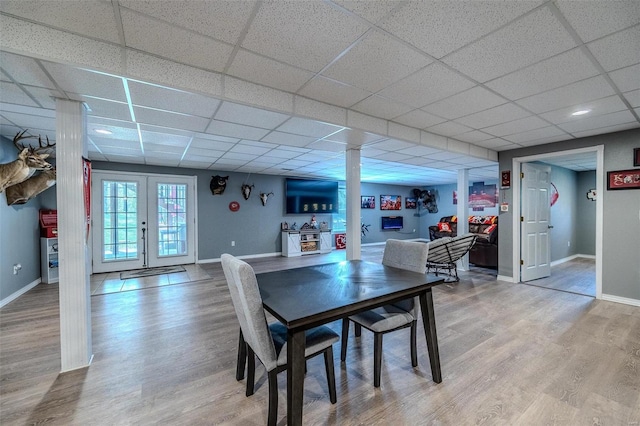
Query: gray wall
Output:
(563,214)
(19,236)
(586,217)
(621,234)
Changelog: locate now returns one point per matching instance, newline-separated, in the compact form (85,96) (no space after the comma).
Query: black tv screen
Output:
(311,196)
(392,222)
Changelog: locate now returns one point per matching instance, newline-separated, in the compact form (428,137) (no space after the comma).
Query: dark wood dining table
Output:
(303,298)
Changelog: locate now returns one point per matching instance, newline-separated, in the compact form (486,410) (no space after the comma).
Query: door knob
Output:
(550,226)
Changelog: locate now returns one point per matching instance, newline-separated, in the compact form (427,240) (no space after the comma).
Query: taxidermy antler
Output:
(24,191)
(246,191)
(264,197)
(29,160)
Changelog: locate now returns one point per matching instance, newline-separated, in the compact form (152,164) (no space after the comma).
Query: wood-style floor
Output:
(511,354)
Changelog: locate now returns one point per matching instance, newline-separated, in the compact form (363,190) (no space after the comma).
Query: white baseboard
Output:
(19,293)
(504,278)
(247,256)
(618,299)
(575,256)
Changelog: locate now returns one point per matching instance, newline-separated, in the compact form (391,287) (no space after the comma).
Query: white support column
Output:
(463,212)
(354,246)
(75,293)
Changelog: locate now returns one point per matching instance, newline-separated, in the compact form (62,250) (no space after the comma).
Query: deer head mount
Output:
(246,191)
(24,191)
(29,160)
(264,197)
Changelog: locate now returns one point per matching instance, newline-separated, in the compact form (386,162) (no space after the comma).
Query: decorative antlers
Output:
(264,197)
(48,147)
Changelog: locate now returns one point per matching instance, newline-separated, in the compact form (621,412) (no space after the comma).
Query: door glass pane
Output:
(120,217)
(172,219)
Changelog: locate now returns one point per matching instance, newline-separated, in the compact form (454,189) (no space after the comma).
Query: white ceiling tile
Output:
(618,50)
(168,119)
(153,149)
(169,139)
(238,156)
(545,140)
(544,75)
(248,149)
(464,103)
(393,156)
(535,134)
(159,97)
(230,17)
(104,108)
(131,159)
(594,19)
(627,79)
(633,98)
(354,136)
(92,18)
(233,130)
(428,85)
(211,144)
(45,97)
(195,153)
(250,116)
(423,23)
(513,47)
(390,145)
(288,139)
(86,82)
(607,120)
(400,61)
(306,127)
(31,122)
(24,70)
(572,94)
(419,119)
(119,130)
(444,156)
(314,33)
(516,126)
(608,129)
(327,145)
(474,136)
(508,147)
(493,116)
(449,128)
(381,107)
(494,143)
(333,92)
(597,107)
(417,150)
(372,11)
(194,163)
(180,45)
(269,72)
(13,94)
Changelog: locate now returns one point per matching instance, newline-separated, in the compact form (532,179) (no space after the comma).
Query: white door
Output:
(535,220)
(142,221)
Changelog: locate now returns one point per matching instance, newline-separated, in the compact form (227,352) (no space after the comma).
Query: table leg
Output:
(242,357)
(295,376)
(429,321)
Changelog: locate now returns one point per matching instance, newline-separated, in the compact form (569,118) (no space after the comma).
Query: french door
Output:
(142,221)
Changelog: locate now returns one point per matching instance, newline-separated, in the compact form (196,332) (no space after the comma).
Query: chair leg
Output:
(251,370)
(331,377)
(358,329)
(242,357)
(414,349)
(377,358)
(345,339)
(273,397)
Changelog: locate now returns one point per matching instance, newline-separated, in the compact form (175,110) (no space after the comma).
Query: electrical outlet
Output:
(414,230)
(568,243)
(233,243)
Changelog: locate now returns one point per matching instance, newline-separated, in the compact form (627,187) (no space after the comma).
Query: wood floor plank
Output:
(165,354)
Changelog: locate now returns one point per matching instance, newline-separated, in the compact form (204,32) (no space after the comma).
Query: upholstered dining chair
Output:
(269,341)
(409,255)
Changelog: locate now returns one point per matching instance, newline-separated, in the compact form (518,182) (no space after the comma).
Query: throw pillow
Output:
(444,227)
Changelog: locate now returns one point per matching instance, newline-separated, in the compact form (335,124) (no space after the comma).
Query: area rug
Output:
(139,273)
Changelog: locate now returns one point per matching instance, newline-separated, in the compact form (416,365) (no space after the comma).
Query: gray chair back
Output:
(408,255)
(247,303)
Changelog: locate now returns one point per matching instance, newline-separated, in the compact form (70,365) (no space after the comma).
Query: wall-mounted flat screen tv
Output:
(304,196)
(392,222)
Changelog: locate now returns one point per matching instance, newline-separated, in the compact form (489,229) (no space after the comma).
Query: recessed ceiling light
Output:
(582,112)
(103,131)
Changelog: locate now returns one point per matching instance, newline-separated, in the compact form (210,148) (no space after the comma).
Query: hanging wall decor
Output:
(218,184)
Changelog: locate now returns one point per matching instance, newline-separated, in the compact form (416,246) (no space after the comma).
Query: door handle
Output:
(550,226)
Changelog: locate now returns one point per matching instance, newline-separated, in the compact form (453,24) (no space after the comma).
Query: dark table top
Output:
(313,295)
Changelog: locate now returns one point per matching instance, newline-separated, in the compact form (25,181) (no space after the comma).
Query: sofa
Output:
(485,251)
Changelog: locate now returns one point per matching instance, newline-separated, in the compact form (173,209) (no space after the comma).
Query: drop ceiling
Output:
(423,88)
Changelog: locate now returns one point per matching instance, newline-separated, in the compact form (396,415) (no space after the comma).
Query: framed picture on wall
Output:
(410,203)
(623,179)
(390,202)
(367,202)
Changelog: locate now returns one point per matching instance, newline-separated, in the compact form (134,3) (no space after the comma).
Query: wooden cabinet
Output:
(305,241)
(49,260)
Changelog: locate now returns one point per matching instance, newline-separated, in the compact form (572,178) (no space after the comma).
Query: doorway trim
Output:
(516,167)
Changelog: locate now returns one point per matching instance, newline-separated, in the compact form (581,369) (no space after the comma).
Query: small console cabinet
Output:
(49,260)
(305,241)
